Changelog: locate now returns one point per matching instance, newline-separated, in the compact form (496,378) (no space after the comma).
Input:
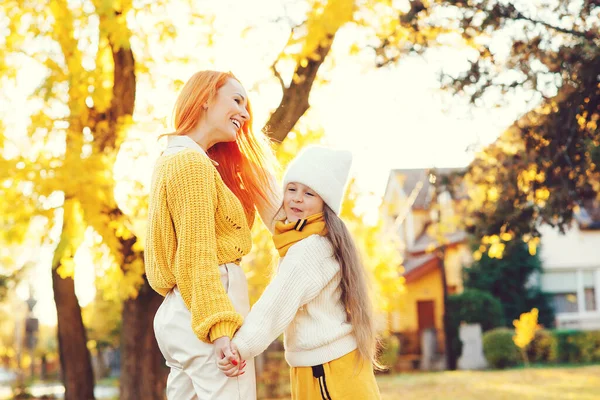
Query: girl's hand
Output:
(229,369)
(222,349)
(232,368)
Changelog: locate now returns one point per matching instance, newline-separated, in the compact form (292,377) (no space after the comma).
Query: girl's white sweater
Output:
(303,299)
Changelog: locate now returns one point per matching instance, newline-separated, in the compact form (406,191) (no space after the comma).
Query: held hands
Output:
(228,357)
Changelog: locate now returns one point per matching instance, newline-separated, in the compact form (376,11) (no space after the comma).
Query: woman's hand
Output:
(228,359)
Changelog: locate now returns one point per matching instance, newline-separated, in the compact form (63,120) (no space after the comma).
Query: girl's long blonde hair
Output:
(354,284)
(244,165)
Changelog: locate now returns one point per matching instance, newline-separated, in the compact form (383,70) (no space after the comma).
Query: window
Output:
(589,291)
(563,286)
(565,302)
(590,299)
(567,286)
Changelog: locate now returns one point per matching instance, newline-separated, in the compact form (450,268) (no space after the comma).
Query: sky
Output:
(393,117)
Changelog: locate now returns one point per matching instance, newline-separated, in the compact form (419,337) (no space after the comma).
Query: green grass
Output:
(537,383)
(581,383)
(113,382)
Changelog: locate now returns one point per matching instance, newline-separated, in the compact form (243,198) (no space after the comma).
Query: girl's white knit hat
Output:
(323,170)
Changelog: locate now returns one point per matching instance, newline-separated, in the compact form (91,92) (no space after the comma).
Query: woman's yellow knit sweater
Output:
(195,223)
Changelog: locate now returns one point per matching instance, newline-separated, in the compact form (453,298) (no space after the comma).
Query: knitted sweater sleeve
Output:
(299,280)
(192,198)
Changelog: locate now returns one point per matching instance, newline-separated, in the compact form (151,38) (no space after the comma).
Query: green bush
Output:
(499,349)
(473,306)
(589,344)
(578,346)
(568,343)
(390,349)
(543,348)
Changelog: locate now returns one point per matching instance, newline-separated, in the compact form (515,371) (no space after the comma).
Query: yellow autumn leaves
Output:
(325,18)
(525,328)
(530,177)
(494,245)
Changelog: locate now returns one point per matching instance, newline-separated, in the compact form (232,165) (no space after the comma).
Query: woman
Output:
(205,189)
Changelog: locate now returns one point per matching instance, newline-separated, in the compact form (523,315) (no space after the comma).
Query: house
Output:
(571,264)
(412,211)
(570,261)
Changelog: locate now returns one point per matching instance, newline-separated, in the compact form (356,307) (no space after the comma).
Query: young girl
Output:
(319,295)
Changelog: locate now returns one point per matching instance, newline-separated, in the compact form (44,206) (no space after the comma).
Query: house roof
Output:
(418,266)
(420,176)
(414,262)
(426,242)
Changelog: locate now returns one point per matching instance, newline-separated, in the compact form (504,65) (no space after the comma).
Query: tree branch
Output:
(278,76)
(294,102)
(510,12)
(123,96)
(550,26)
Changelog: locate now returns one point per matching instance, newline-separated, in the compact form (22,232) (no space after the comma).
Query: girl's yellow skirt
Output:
(339,379)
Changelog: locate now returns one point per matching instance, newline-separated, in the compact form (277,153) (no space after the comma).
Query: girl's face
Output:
(300,202)
(226,113)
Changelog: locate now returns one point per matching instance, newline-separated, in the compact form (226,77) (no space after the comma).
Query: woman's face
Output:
(226,113)
(300,202)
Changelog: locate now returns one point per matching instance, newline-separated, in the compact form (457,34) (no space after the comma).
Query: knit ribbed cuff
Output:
(220,329)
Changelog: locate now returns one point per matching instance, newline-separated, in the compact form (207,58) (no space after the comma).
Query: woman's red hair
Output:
(244,165)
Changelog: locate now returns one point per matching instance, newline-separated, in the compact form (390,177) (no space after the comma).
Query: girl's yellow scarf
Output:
(287,234)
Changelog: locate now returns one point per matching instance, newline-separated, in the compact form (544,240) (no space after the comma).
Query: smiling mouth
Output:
(296,210)
(236,123)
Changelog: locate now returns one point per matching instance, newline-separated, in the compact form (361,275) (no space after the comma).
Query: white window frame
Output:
(581,314)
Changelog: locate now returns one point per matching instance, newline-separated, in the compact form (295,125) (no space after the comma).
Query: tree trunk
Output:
(101,369)
(450,356)
(43,368)
(143,370)
(75,360)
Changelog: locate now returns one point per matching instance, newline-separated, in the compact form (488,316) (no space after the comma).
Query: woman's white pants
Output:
(194,374)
